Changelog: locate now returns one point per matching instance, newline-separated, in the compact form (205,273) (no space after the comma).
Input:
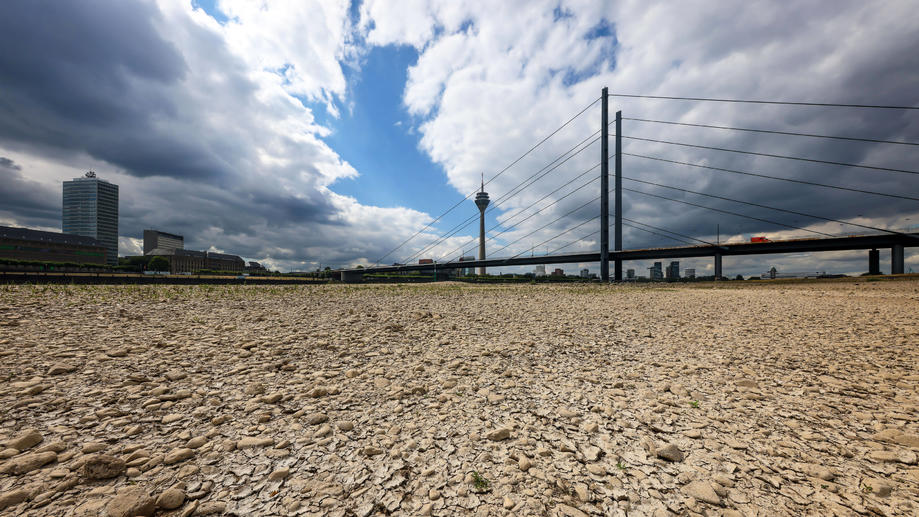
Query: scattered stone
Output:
(131,502)
(25,440)
(13,497)
(279,474)
(317,418)
(670,452)
(346,426)
(196,442)
(499,434)
(61,368)
(212,508)
(879,487)
(702,491)
(174,417)
(747,383)
(178,454)
(92,447)
(27,463)
(170,499)
(524,463)
(254,441)
(372,451)
(569,511)
(103,466)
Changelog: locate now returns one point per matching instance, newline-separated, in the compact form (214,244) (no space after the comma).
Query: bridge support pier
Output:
(717,266)
(352,277)
(896,259)
(874,262)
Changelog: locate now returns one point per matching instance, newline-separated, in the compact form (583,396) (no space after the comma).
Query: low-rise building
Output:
(191,261)
(26,244)
(155,239)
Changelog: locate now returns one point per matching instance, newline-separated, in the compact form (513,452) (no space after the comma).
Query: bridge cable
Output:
(507,195)
(783,103)
(543,208)
(505,223)
(556,250)
(773,132)
(730,213)
(502,171)
(552,238)
(559,218)
(791,180)
(670,231)
(802,214)
(797,158)
(660,234)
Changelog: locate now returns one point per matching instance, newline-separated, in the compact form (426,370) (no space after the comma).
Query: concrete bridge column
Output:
(874,262)
(896,259)
(352,277)
(717,266)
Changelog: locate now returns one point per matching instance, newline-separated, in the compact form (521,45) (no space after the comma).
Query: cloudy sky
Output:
(301,133)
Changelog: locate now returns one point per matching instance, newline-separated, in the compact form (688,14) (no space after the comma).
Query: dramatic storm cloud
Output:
(228,123)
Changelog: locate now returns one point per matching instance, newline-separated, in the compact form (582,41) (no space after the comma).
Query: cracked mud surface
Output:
(774,399)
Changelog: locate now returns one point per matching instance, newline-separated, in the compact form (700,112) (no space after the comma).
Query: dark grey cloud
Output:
(28,201)
(178,117)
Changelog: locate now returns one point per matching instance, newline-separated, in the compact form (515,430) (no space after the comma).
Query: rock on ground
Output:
(738,398)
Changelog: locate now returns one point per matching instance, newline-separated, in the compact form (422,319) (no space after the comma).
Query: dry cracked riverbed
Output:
(770,400)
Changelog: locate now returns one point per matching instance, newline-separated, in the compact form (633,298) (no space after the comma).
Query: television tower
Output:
(481,201)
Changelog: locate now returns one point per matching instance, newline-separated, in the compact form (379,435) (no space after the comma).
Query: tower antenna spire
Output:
(483,183)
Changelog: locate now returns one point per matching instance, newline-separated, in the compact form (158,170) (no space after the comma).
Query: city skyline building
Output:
(90,209)
(673,271)
(155,239)
(466,271)
(656,272)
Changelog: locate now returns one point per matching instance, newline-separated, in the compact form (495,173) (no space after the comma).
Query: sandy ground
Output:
(776,399)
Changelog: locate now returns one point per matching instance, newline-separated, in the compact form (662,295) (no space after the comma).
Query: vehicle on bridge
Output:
(759,239)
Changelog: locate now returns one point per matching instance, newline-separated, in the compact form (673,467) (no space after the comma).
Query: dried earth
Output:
(744,399)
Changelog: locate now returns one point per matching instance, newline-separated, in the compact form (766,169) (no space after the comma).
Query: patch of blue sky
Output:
(377,136)
(210,7)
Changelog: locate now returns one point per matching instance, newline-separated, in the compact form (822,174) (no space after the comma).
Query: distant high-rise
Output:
(656,272)
(673,271)
(481,201)
(154,239)
(90,209)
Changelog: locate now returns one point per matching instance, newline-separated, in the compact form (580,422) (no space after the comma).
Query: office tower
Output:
(90,209)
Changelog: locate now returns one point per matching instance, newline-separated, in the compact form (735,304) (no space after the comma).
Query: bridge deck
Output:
(853,242)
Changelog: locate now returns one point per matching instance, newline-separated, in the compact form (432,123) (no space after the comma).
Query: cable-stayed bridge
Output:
(595,213)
